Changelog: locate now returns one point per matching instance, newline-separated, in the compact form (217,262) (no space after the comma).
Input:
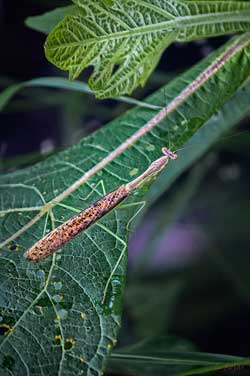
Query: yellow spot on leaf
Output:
(58,337)
(83,315)
(133,172)
(150,147)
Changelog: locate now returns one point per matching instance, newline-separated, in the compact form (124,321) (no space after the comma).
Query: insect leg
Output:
(68,207)
(52,219)
(117,262)
(94,189)
(141,205)
(101,183)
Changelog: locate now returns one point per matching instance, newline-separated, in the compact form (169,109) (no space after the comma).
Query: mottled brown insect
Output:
(80,222)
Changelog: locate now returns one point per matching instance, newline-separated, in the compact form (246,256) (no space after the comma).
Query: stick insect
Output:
(85,218)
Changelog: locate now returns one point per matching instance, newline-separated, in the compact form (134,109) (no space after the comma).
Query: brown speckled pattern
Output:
(68,230)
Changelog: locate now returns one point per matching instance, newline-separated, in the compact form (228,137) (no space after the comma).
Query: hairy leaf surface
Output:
(124,42)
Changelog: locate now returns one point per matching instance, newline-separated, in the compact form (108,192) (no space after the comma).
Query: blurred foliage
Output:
(213,283)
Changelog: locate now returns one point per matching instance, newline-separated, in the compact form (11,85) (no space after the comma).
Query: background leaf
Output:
(124,43)
(214,129)
(52,319)
(168,356)
(47,21)
(60,83)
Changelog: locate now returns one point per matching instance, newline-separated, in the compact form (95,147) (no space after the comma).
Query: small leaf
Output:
(124,43)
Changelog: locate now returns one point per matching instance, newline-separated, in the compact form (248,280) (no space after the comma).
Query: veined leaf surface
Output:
(124,42)
(53,321)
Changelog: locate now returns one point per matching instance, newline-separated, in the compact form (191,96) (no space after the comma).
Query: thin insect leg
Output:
(139,203)
(14,210)
(69,207)
(168,138)
(66,207)
(142,204)
(117,262)
(103,187)
(52,218)
(45,223)
(59,221)
(77,211)
(94,189)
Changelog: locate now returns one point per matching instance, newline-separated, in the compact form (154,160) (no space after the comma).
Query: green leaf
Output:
(155,303)
(7,94)
(47,21)
(60,83)
(124,43)
(52,317)
(198,144)
(164,356)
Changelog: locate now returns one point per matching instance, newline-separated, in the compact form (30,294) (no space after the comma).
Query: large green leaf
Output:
(124,43)
(52,317)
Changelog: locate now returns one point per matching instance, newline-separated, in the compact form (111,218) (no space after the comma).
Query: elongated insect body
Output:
(80,222)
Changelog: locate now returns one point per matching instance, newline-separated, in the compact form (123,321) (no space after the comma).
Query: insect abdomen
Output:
(80,222)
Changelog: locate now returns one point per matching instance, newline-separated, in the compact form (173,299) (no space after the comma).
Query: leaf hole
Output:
(5,329)
(69,343)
